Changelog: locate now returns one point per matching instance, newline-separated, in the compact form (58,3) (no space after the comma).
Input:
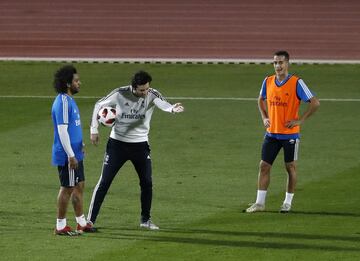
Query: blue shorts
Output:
(272,146)
(71,177)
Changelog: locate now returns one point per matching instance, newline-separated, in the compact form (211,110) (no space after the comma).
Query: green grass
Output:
(204,165)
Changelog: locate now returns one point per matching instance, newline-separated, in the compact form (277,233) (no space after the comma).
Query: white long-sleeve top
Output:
(65,139)
(133,114)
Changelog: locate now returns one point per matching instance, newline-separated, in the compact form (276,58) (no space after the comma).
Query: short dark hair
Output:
(283,53)
(63,77)
(140,78)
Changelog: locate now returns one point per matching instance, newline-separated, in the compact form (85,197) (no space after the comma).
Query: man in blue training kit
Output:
(67,151)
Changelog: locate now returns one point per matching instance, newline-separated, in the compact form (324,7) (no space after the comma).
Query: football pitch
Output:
(205,164)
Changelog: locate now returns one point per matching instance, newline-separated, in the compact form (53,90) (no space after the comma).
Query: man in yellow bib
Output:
(279,103)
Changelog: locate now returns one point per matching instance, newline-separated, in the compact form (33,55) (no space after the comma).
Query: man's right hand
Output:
(73,163)
(94,139)
(266,122)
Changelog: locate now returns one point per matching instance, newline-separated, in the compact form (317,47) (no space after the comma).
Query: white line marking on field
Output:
(173,98)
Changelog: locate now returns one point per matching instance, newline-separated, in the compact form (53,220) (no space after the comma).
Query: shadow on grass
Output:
(212,237)
(320,213)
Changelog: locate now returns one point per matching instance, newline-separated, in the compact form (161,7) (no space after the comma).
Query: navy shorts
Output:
(272,146)
(71,177)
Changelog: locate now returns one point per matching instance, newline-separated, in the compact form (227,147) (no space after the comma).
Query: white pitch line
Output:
(174,98)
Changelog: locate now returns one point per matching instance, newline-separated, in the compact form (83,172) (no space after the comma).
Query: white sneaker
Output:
(149,225)
(255,208)
(285,208)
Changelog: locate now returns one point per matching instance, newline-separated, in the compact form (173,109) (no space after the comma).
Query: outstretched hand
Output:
(177,108)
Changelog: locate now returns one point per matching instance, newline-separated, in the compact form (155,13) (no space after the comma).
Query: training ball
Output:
(106,116)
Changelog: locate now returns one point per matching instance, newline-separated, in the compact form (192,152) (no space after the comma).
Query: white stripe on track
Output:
(174,60)
(174,98)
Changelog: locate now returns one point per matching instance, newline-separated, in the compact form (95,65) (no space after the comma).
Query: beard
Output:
(74,90)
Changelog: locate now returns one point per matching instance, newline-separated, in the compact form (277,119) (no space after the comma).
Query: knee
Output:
(75,198)
(66,192)
(290,167)
(146,184)
(104,185)
(264,167)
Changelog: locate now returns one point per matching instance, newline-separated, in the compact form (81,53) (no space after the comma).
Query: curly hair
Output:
(63,78)
(140,78)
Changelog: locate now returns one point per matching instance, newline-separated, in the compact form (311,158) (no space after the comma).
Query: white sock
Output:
(81,220)
(60,223)
(260,198)
(288,198)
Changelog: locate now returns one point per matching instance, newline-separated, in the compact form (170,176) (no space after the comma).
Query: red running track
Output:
(236,29)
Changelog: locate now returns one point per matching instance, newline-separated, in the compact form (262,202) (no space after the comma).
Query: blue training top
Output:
(65,111)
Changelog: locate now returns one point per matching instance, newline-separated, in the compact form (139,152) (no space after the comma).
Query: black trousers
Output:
(117,153)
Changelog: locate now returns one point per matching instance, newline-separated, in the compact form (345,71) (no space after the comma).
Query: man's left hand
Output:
(177,108)
(291,124)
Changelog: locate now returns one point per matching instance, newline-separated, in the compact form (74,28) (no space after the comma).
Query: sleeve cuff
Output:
(94,130)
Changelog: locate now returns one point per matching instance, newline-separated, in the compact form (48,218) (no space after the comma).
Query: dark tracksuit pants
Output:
(117,153)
